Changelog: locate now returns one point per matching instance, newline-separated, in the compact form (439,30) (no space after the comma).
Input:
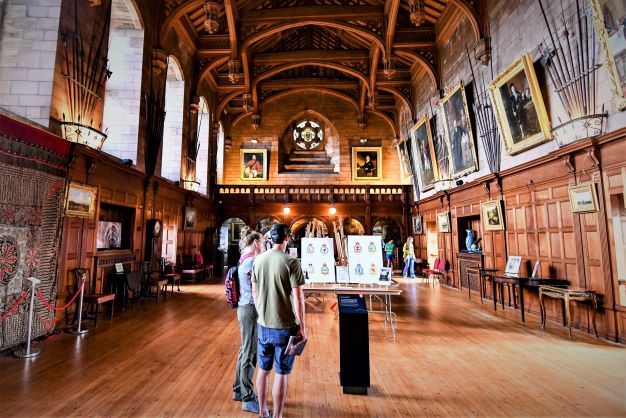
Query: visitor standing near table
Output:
(389,255)
(276,277)
(251,245)
(409,257)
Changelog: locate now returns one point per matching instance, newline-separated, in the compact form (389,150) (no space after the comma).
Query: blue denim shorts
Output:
(271,349)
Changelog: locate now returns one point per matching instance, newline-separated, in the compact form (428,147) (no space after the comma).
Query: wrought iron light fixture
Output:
(211,12)
(191,185)
(389,69)
(418,16)
(233,71)
(247,102)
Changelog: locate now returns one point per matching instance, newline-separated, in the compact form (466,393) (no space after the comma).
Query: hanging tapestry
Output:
(33,168)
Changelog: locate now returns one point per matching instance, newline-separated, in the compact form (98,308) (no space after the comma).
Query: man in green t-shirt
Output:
(276,278)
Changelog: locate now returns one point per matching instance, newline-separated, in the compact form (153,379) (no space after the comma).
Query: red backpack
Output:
(231,283)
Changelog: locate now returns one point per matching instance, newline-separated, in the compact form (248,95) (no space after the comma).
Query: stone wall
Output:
(517,27)
(276,117)
(28,43)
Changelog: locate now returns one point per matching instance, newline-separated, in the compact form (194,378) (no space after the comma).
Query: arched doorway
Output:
(352,226)
(265,224)
(299,227)
(228,247)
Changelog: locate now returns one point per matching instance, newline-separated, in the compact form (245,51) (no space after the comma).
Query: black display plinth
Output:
(354,348)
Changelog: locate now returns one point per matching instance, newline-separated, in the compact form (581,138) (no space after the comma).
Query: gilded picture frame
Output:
(583,198)
(80,201)
(519,107)
(606,26)
(418,227)
(424,158)
(458,130)
(364,168)
(253,164)
(492,215)
(404,150)
(443,222)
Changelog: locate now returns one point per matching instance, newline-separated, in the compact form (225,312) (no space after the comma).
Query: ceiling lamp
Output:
(418,16)
(211,12)
(247,102)
(389,69)
(286,210)
(332,210)
(233,71)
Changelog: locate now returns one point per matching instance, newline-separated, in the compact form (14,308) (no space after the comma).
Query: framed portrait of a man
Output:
(253,164)
(190,217)
(418,229)
(424,154)
(519,108)
(443,222)
(367,163)
(404,152)
(491,213)
(610,25)
(459,137)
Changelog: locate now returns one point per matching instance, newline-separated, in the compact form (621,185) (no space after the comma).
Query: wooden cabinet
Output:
(466,260)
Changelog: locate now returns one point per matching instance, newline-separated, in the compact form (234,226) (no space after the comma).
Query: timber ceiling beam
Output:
(300,56)
(287,14)
(309,83)
(231,11)
(391,15)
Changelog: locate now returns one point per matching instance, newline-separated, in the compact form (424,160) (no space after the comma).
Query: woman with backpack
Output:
(250,245)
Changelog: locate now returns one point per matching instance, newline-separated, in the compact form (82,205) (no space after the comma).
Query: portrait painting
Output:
(519,107)
(404,151)
(583,198)
(459,137)
(424,154)
(418,229)
(610,25)
(236,228)
(492,215)
(190,217)
(367,163)
(443,222)
(81,200)
(253,164)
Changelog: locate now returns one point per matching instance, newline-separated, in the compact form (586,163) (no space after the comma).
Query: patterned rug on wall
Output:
(33,169)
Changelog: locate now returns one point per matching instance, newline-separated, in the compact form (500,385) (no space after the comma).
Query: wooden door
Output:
(170,232)
(432,244)
(619,228)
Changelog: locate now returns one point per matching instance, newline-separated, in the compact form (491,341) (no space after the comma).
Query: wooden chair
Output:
(438,271)
(168,273)
(153,279)
(91,298)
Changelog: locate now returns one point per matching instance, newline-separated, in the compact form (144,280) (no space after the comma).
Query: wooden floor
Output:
(451,357)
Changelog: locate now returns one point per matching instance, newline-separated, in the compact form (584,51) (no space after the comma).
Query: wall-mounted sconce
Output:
(286,210)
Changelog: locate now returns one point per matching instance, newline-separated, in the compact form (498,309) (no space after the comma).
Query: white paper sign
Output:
(343,274)
(365,258)
(318,259)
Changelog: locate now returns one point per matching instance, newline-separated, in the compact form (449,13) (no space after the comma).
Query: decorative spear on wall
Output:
(486,120)
(193,148)
(85,74)
(570,61)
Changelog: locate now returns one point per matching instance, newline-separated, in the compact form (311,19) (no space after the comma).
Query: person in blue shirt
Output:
(251,244)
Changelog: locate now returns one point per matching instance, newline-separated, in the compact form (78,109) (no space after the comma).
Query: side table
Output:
(567,294)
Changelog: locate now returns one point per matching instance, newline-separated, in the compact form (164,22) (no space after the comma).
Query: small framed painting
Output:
(458,128)
(367,163)
(583,198)
(424,154)
(81,200)
(254,164)
(609,25)
(417,225)
(236,228)
(190,217)
(443,222)
(520,111)
(491,213)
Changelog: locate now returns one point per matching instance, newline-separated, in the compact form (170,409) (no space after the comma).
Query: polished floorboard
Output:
(451,357)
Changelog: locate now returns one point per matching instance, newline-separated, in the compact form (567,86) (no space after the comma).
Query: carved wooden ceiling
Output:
(265,48)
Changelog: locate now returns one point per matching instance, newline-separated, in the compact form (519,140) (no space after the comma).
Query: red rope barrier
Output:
(15,306)
(48,326)
(47,304)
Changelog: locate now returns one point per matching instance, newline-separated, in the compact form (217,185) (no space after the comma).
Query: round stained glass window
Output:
(308,135)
